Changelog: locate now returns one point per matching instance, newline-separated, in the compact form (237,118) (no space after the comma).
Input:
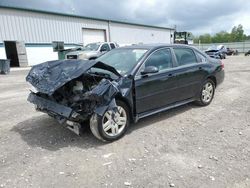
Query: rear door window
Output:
(105,47)
(112,45)
(185,56)
(201,58)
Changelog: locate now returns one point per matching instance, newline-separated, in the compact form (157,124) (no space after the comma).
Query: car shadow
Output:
(45,132)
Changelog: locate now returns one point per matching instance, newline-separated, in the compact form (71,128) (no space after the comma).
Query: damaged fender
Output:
(62,92)
(102,109)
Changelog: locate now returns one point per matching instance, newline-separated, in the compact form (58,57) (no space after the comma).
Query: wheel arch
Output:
(126,101)
(213,78)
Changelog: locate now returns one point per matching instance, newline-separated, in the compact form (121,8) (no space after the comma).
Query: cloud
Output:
(197,16)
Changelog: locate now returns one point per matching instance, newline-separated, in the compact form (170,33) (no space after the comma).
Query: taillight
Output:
(222,65)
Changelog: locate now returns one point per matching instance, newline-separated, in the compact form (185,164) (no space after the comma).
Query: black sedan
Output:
(123,86)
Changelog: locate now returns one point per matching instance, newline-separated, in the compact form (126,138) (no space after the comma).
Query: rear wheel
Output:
(112,125)
(207,93)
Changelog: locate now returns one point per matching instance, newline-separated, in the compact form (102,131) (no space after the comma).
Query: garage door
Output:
(93,35)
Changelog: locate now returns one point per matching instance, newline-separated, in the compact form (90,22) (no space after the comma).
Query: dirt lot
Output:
(185,147)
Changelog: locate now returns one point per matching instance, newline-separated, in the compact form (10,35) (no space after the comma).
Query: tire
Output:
(114,131)
(206,93)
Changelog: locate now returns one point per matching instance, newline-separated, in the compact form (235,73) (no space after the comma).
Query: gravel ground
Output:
(188,146)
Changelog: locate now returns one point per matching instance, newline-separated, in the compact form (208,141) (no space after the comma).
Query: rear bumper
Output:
(220,77)
(50,107)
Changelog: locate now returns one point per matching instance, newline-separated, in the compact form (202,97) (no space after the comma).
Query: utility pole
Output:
(109,30)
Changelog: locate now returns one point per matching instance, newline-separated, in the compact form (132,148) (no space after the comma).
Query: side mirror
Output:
(149,70)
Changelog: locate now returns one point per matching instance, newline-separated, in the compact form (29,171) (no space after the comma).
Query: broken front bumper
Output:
(62,113)
(50,107)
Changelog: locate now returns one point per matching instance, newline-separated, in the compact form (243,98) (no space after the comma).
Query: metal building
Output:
(28,34)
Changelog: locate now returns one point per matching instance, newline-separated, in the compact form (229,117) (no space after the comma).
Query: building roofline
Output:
(84,17)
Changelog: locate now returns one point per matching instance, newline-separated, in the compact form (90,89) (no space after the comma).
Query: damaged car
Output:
(123,86)
(217,52)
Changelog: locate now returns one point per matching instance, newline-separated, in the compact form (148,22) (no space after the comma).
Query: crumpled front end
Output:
(213,53)
(80,105)
(71,94)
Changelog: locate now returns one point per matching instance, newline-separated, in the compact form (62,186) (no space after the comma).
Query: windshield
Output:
(123,60)
(92,46)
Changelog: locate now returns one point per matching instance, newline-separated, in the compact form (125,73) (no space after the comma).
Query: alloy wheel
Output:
(207,92)
(114,121)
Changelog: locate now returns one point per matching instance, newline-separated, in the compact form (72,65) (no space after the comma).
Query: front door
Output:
(156,90)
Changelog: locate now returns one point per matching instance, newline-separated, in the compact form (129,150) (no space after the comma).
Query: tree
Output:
(236,35)
(206,38)
(222,36)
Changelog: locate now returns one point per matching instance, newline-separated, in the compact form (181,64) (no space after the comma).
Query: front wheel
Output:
(112,125)
(207,93)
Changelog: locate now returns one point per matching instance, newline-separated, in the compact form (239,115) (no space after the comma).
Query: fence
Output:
(240,46)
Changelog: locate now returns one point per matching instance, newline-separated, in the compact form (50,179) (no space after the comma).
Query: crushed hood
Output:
(49,76)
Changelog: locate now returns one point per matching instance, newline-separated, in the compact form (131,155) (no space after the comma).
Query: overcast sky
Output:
(197,16)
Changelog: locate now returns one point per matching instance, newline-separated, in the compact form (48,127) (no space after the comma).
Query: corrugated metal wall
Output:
(128,34)
(40,29)
(33,27)
(36,27)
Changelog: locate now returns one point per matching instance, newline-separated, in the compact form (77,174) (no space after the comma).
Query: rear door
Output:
(189,73)
(158,89)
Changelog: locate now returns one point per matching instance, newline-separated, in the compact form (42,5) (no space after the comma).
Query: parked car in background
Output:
(231,51)
(247,53)
(123,86)
(92,51)
(217,52)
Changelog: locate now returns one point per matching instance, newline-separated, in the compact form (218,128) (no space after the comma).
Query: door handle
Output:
(167,77)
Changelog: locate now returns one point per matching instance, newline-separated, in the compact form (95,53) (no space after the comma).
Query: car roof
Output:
(100,43)
(155,46)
